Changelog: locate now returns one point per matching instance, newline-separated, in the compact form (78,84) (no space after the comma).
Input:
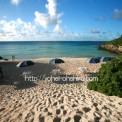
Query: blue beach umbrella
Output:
(1,58)
(25,63)
(105,59)
(56,61)
(93,60)
(99,58)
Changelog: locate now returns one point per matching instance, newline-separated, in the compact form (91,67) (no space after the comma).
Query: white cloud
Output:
(17,30)
(15,2)
(49,18)
(20,30)
(95,31)
(42,19)
(100,19)
(117,14)
(58,28)
(51,7)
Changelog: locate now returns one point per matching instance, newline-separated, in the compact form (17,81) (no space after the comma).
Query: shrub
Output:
(117,42)
(110,78)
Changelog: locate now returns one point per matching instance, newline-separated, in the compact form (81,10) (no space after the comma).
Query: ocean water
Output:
(54,49)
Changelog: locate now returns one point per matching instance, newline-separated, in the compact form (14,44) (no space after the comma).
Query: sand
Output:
(49,101)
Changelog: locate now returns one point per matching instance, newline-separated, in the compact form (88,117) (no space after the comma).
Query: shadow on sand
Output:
(18,85)
(13,75)
(25,85)
(3,81)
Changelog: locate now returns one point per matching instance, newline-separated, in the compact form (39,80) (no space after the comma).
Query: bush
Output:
(110,78)
(117,42)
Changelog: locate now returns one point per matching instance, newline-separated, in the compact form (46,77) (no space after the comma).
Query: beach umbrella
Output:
(30,63)
(93,60)
(99,58)
(56,61)
(105,59)
(25,63)
(1,58)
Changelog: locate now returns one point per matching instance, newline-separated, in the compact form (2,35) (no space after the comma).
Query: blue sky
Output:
(60,20)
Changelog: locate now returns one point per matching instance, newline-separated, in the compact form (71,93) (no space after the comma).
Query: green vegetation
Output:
(116,42)
(110,78)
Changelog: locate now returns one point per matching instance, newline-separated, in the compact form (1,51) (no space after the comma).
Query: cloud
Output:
(15,2)
(95,31)
(51,7)
(42,19)
(49,18)
(100,18)
(117,14)
(19,30)
(58,27)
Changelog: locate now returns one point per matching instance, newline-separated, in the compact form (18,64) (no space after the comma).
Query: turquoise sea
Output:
(52,49)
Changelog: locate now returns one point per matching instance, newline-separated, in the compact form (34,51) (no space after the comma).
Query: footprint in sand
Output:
(77,118)
(58,111)
(68,119)
(86,109)
(41,118)
(56,119)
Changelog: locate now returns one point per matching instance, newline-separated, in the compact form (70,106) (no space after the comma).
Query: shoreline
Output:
(49,58)
(37,59)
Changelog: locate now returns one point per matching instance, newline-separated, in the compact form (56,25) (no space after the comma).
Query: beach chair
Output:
(83,70)
(26,74)
(96,71)
(56,72)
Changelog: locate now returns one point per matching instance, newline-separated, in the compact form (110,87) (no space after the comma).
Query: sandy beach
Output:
(48,101)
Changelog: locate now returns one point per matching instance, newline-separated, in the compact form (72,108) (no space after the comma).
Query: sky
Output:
(60,20)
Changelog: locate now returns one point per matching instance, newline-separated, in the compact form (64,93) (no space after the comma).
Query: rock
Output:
(111,48)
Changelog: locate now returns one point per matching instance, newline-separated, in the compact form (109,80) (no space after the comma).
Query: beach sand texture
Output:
(46,101)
